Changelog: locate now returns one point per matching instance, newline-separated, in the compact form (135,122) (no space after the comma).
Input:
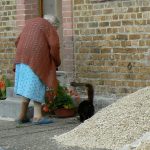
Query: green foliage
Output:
(8,83)
(62,99)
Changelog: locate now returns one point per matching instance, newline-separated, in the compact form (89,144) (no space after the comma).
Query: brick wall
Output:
(112,45)
(105,43)
(7,35)
(13,14)
(67,27)
(26,9)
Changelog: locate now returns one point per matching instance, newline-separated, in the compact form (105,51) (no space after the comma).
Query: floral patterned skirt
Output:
(28,84)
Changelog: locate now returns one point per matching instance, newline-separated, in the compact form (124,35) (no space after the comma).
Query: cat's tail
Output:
(90,89)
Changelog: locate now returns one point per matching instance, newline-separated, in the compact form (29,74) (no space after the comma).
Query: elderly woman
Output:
(37,58)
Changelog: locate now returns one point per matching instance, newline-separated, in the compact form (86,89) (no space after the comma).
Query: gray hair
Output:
(53,20)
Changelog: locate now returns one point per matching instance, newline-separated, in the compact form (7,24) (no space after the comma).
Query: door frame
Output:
(41,8)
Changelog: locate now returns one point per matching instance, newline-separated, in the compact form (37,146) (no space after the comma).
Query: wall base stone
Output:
(101,102)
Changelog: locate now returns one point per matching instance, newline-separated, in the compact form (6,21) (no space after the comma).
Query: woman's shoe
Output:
(42,121)
(21,121)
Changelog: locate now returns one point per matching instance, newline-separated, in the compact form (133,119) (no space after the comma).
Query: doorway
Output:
(53,7)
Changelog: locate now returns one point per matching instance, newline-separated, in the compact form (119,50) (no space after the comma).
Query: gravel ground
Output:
(114,126)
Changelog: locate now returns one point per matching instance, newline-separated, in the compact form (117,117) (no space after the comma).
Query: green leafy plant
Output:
(62,99)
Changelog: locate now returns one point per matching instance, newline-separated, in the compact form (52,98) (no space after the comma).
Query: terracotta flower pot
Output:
(64,113)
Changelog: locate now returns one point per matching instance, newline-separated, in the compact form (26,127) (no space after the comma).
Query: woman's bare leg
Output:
(37,110)
(24,108)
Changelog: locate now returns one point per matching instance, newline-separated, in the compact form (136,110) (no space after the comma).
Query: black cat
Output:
(86,108)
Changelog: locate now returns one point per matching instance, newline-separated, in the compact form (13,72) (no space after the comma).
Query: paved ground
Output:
(35,137)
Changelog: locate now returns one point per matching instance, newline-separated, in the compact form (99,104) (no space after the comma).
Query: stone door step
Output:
(10,108)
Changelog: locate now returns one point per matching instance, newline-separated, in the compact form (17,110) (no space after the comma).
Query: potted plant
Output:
(4,83)
(60,103)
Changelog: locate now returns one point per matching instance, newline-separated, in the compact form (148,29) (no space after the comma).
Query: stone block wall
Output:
(112,45)
(7,36)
